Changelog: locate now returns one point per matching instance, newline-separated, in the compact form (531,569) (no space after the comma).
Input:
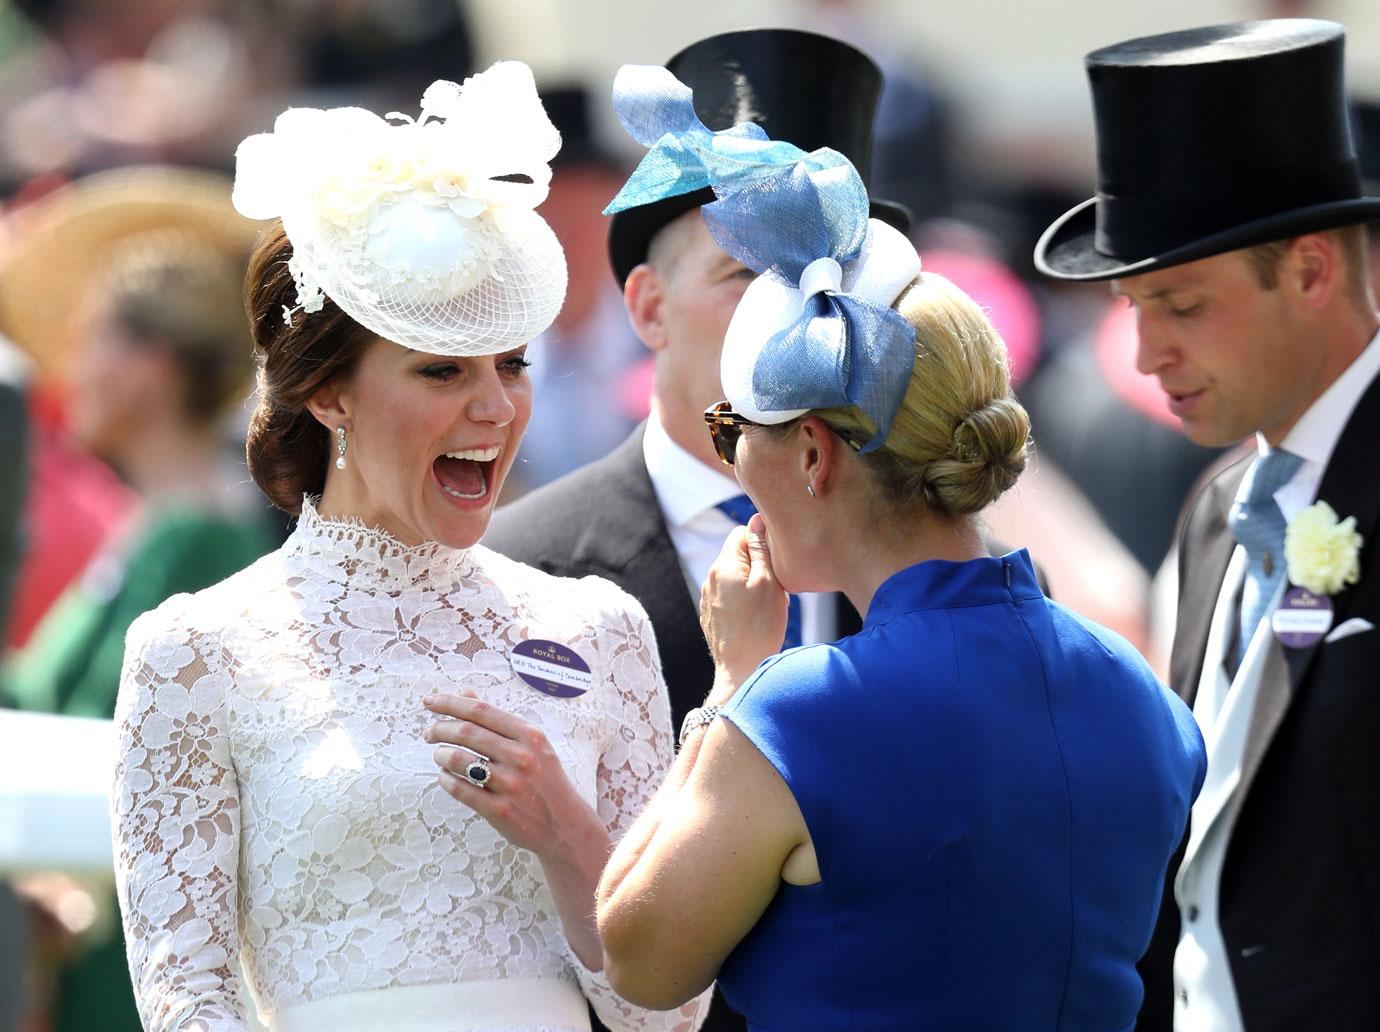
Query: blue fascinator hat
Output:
(808,88)
(816,329)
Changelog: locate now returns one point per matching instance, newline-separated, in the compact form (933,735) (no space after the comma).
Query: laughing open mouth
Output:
(468,474)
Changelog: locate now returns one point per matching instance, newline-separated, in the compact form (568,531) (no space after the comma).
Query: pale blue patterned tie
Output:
(740,509)
(1258,525)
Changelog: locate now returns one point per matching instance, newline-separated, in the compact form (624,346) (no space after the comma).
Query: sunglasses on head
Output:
(726,426)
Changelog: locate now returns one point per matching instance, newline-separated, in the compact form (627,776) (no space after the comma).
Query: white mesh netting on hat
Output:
(421,230)
(438,282)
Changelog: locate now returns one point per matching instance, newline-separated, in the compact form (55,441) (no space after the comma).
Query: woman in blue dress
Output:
(960,817)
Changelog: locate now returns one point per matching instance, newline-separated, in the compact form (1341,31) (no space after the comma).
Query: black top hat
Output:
(807,89)
(1365,128)
(568,107)
(1209,140)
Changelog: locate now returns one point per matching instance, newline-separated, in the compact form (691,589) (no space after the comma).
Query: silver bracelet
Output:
(695,719)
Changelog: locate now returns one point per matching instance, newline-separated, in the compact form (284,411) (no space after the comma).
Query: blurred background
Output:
(125,377)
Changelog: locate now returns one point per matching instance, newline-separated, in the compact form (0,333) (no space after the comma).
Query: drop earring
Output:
(340,447)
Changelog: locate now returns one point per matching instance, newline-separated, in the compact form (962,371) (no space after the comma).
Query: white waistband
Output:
(478,1006)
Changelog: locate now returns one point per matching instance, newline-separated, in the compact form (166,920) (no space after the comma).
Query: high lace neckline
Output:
(349,552)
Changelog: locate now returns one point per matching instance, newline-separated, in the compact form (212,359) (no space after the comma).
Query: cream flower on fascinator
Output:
(422,230)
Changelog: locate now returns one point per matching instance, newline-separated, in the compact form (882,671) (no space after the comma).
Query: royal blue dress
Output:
(994,787)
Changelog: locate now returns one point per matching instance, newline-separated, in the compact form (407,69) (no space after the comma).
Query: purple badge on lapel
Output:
(1302,618)
(551,668)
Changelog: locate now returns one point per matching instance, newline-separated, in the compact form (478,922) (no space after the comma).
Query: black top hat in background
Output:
(1365,129)
(1209,140)
(568,105)
(807,89)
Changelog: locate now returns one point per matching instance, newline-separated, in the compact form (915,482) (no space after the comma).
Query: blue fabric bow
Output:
(658,111)
(778,210)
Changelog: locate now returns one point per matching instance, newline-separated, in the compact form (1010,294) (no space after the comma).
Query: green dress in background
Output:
(72,666)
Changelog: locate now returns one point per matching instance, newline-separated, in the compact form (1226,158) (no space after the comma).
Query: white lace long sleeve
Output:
(176,822)
(277,809)
(632,766)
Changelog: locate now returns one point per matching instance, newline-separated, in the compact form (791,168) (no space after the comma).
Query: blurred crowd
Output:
(125,366)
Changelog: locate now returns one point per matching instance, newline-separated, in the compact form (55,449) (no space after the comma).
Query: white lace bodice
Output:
(275,803)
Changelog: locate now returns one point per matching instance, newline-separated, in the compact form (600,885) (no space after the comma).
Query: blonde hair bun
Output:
(959,440)
(987,455)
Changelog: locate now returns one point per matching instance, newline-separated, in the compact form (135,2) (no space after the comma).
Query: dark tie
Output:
(1258,525)
(740,509)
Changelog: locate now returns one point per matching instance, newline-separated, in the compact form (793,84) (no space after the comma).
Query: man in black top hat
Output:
(1229,214)
(653,514)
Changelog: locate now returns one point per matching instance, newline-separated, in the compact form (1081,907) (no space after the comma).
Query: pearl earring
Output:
(340,447)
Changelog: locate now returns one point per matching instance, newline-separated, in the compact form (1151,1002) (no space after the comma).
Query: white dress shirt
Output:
(689,493)
(1315,435)
(1205,998)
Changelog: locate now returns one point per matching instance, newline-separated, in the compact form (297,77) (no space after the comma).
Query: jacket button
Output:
(1193,912)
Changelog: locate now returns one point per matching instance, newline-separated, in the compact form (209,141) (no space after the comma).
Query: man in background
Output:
(1229,216)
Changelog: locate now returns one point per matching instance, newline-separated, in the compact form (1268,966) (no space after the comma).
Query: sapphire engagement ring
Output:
(476,772)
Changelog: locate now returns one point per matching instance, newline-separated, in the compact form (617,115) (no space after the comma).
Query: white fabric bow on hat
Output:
(407,225)
(860,354)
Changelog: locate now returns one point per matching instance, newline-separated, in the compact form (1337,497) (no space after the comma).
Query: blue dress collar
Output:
(940,584)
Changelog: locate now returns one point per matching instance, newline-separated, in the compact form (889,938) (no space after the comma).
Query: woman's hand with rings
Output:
(506,771)
(743,608)
(528,799)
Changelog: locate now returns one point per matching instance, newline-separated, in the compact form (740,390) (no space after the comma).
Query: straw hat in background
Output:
(62,243)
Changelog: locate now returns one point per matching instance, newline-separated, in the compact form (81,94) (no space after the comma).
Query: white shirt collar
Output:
(684,486)
(1315,436)
(1316,433)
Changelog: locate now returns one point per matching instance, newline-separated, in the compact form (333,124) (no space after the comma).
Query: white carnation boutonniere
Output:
(1323,553)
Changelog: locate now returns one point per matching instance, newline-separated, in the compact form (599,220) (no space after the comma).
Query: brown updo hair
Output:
(287,448)
(959,438)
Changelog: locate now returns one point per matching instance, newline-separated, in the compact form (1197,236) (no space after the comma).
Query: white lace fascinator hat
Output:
(421,230)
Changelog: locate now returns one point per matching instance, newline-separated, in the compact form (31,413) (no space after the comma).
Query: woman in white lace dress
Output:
(283,842)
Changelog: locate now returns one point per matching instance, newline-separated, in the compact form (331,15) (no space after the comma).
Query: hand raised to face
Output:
(743,608)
